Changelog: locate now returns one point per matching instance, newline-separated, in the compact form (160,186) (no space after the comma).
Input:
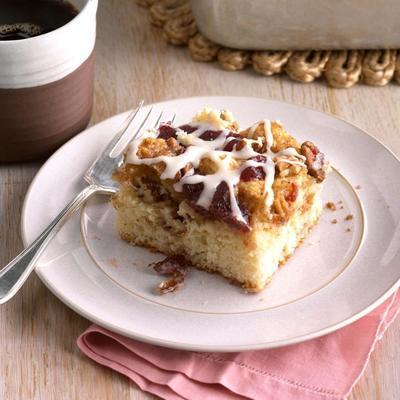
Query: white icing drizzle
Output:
(224,173)
(198,149)
(201,128)
(269,137)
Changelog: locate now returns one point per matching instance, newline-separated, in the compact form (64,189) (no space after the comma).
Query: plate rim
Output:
(197,347)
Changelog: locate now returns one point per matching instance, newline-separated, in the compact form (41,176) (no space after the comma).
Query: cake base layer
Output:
(249,259)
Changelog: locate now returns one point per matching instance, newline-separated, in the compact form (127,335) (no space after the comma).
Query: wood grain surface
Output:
(38,355)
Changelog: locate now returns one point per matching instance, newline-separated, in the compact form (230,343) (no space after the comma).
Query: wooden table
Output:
(38,355)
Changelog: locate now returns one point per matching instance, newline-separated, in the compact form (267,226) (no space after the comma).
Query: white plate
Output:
(333,279)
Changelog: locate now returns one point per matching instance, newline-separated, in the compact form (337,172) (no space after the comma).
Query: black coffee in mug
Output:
(22,19)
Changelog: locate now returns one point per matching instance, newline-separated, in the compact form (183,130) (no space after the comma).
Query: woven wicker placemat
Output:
(340,68)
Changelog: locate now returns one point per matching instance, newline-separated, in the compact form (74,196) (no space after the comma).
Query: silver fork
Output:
(99,178)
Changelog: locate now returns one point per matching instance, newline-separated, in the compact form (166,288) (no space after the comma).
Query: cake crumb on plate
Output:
(113,262)
(330,205)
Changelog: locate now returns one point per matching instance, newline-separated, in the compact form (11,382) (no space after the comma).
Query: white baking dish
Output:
(300,24)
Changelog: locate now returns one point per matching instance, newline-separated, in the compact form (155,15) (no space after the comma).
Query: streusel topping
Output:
(221,171)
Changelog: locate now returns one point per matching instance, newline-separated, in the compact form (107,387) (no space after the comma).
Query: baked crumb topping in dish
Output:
(226,173)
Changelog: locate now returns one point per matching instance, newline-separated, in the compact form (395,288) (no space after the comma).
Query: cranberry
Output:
(188,128)
(221,208)
(260,159)
(172,265)
(210,135)
(221,201)
(232,144)
(192,191)
(252,174)
(166,132)
(293,192)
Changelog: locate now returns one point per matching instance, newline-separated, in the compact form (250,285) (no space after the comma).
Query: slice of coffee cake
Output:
(236,202)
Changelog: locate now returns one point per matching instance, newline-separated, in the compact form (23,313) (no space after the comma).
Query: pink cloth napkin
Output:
(324,368)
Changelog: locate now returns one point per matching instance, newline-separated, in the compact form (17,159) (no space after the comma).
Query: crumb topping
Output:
(330,205)
(315,161)
(225,173)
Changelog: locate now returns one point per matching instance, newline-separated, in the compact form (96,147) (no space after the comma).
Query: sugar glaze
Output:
(198,149)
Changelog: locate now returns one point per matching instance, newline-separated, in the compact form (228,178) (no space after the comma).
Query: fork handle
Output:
(17,271)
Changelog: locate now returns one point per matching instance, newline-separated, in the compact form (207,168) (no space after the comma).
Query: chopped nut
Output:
(330,205)
(315,160)
(170,285)
(309,150)
(349,217)
(334,221)
(174,146)
(348,230)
